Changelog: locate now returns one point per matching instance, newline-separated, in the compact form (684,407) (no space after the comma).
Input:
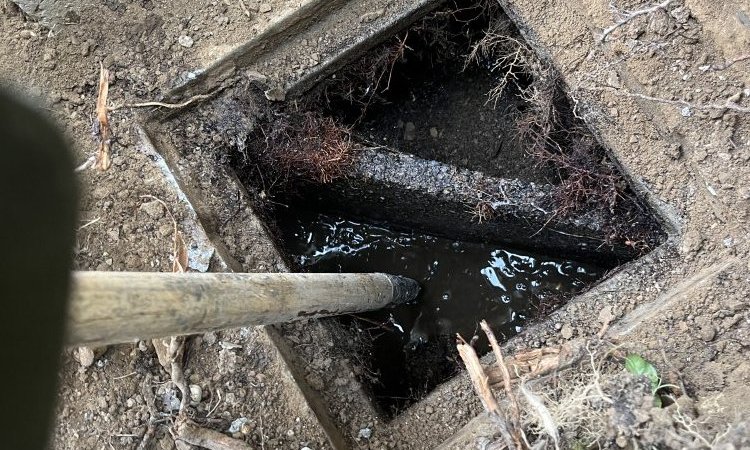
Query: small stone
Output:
(265,8)
(605,315)
(85,356)
(247,428)
(566,331)
(621,441)
(613,79)
(410,131)
(237,424)
(674,151)
(153,209)
(434,132)
(26,34)
(700,155)
(429,410)
(86,49)
(275,94)
(209,338)
(365,433)
(185,41)
(708,333)
(196,394)
(165,230)
(716,114)
(253,75)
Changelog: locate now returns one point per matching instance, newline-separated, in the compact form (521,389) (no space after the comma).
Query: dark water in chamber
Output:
(462,283)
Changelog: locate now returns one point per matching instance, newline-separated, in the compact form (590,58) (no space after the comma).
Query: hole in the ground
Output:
(452,155)
(412,347)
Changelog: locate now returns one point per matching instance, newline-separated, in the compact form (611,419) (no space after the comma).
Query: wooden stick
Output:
(205,438)
(515,422)
(482,387)
(116,307)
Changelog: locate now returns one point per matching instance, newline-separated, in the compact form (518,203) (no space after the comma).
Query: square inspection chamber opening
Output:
(450,154)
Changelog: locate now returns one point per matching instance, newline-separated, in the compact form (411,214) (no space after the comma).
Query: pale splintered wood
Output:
(115,307)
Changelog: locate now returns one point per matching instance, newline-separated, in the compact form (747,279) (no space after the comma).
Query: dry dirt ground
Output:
(668,92)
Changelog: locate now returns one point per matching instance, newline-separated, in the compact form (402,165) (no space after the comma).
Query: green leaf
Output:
(636,365)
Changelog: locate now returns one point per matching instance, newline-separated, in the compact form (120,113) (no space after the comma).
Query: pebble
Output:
(165,230)
(85,356)
(265,8)
(716,114)
(185,41)
(566,331)
(674,151)
(365,433)
(434,132)
(153,209)
(429,410)
(708,333)
(237,425)
(26,34)
(196,394)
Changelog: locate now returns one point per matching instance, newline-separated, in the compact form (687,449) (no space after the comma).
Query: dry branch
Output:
(537,362)
(480,381)
(192,434)
(515,413)
(103,161)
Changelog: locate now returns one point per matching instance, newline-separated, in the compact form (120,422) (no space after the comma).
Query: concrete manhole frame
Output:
(368,26)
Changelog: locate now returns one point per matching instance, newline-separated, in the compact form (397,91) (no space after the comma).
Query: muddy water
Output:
(462,283)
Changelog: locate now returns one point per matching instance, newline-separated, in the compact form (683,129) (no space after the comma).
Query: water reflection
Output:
(462,282)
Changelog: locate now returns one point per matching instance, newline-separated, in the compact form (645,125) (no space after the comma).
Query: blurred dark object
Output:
(37,222)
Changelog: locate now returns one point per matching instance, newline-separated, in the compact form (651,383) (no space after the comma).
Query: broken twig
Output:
(481,384)
(103,161)
(192,434)
(515,423)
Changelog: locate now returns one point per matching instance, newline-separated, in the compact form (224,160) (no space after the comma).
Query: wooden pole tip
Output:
(405,289)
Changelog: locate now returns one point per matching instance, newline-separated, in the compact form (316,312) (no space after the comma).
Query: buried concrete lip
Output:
(441,199)
(192,176)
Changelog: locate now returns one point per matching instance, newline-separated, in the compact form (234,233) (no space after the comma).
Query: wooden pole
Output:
(116,307)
